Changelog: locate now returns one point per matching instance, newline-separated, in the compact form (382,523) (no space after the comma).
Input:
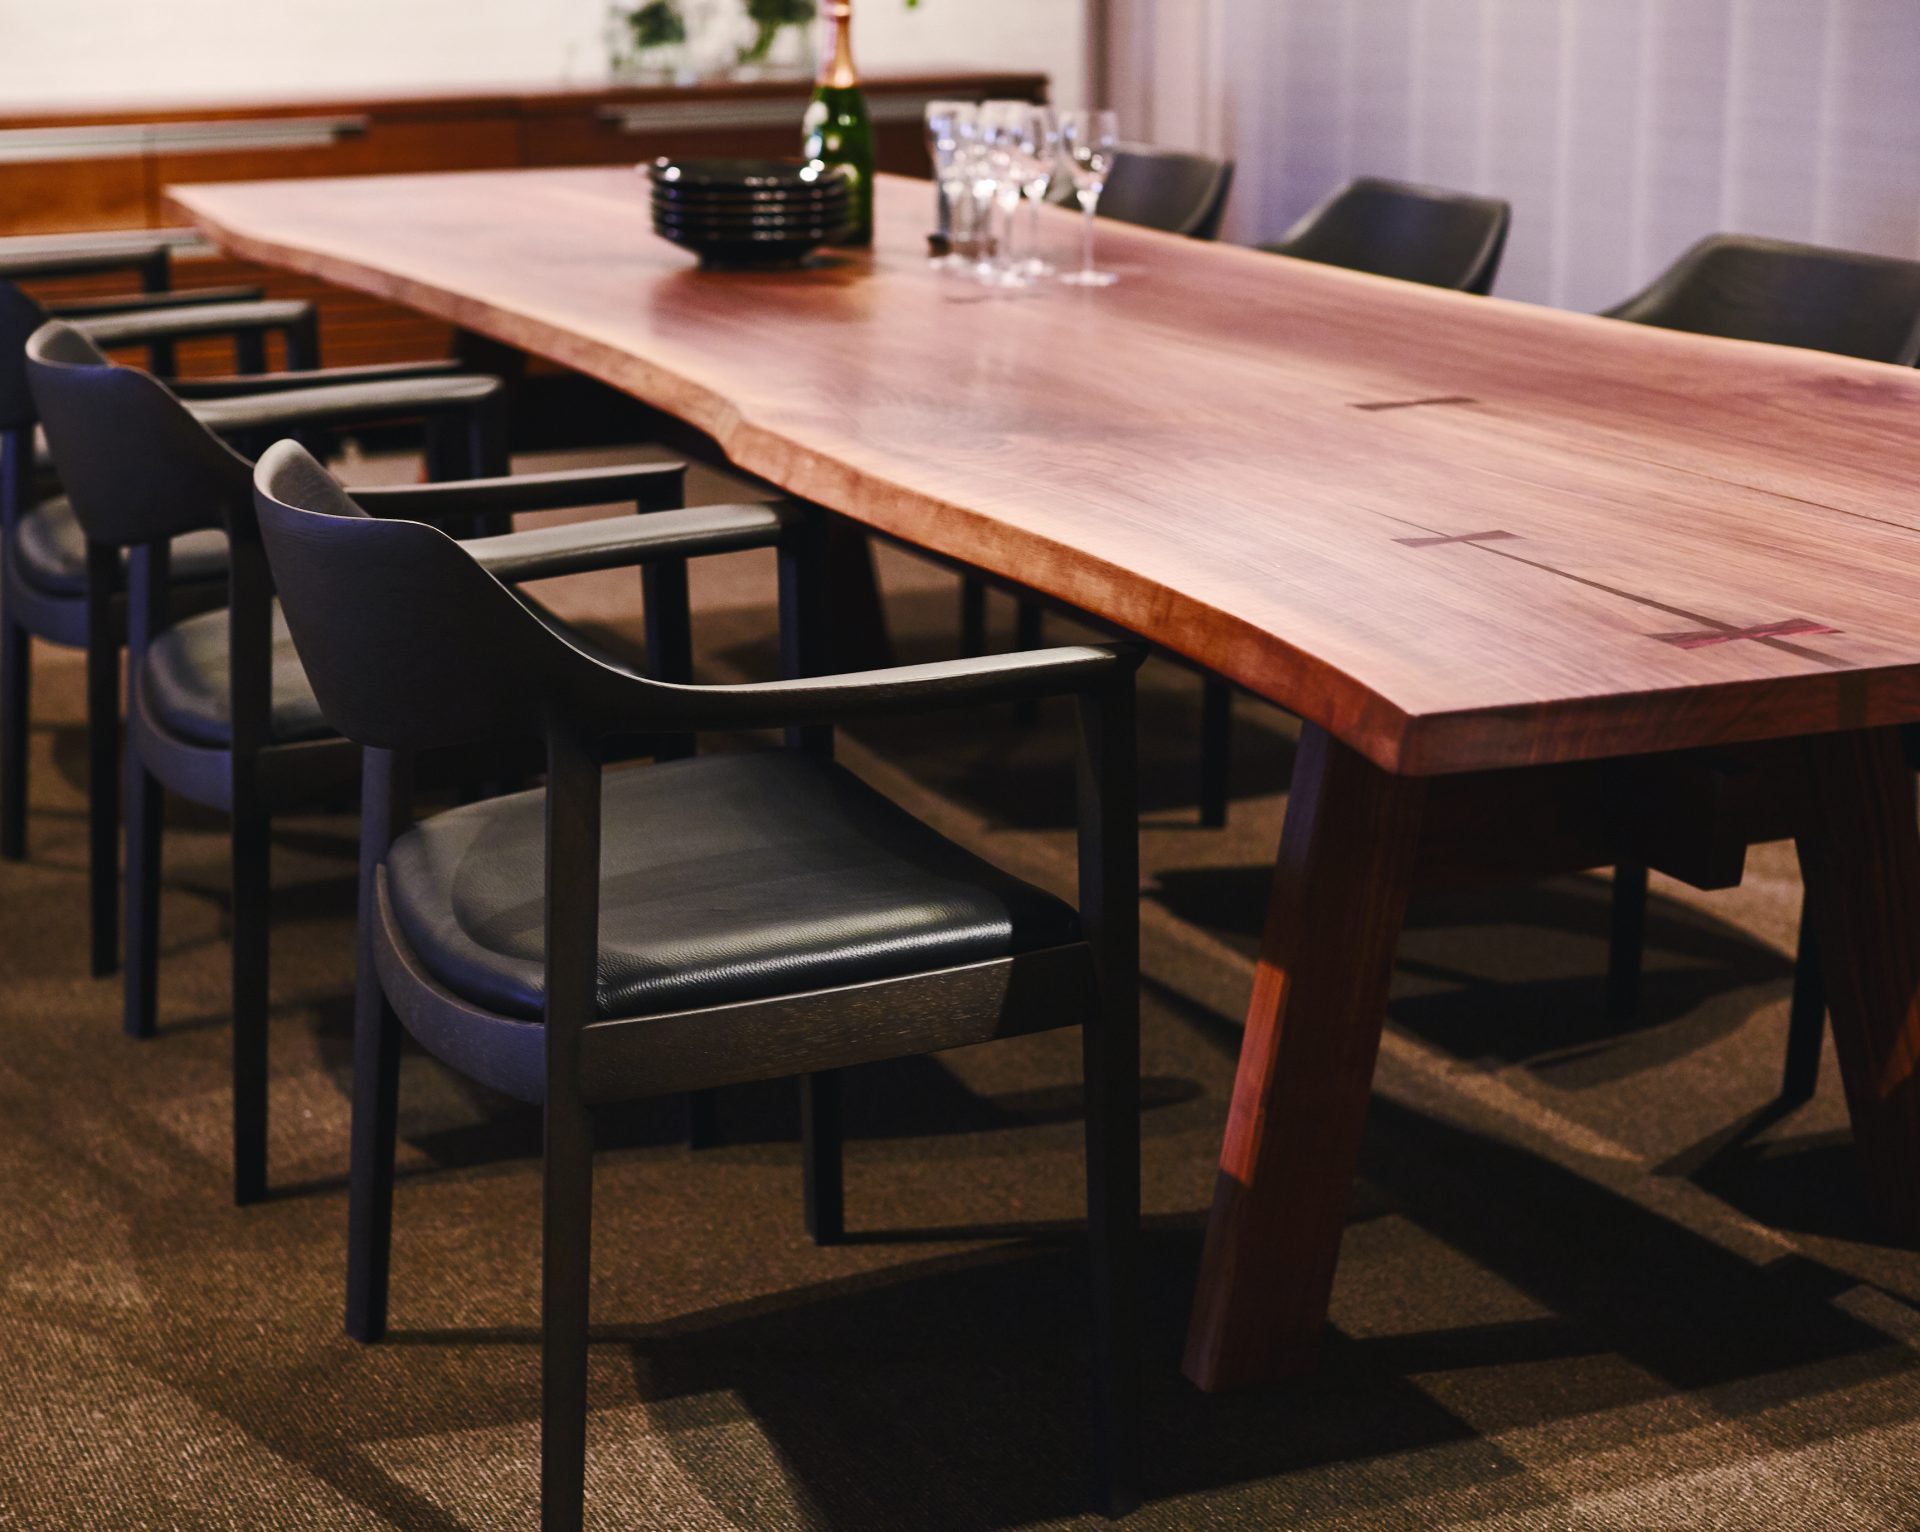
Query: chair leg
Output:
(1029,632)
(1628,941)
(16,687)
(1109,881)
(1029,626)
(703,1118)
(667,611)
(1113,1227)
(1216,750)
(973,616)
(1806,1019)
(250,353)
(251,885)
(103,799)
(376,1092)
(820,1140)
(141,975)
(303,344)
(566,1255)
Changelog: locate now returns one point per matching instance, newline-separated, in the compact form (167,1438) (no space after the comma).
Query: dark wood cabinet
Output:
(85,171)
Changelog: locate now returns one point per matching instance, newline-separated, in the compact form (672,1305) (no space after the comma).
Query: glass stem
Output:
(1088,201)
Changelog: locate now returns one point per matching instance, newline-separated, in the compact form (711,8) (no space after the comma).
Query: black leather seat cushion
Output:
(186,686)
(723,878)
(52,551)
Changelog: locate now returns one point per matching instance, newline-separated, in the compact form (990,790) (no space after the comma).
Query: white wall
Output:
(99,52)
(1621,130)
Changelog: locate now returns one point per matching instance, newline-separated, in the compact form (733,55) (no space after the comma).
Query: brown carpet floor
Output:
(1591,1279)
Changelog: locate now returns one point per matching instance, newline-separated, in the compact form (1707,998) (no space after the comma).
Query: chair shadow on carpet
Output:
(947,1393)
(1455,981)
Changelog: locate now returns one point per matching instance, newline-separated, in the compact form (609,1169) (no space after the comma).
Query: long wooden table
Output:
(1549,591)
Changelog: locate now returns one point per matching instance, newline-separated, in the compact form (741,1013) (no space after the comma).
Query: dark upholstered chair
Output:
(1743,288)
(148,260)
(1167,189)
(47,589)
(548,943)
(1419,234)
(218,709)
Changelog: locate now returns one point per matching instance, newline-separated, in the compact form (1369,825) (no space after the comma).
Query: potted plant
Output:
(649,42)
(782,41)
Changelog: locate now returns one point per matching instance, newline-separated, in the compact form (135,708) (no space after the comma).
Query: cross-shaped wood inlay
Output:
(1706,638)
(1463,537)
(1376,405)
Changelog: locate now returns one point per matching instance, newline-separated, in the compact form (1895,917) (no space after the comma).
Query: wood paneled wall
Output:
(52,182)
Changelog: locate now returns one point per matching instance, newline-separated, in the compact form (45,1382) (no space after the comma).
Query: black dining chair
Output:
(48,591)
(218,709)
(147,259)
(1742,288)
(1167,189)
(1423,234)
(551,944)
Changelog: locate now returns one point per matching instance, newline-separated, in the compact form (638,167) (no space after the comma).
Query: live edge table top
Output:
(1457,532)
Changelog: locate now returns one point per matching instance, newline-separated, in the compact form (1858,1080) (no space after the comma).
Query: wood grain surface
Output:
(1458,533)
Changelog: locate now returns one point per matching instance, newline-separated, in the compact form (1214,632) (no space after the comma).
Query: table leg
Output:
(1860,857)
(1306,1066)
(857,635)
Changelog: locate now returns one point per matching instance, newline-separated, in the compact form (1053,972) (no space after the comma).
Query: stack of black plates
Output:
(748,212)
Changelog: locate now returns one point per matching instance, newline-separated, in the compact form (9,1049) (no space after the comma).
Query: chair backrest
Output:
(20,316)
(409,644)
(133,460)
(1164,189)
(1395,229)
(1791,295)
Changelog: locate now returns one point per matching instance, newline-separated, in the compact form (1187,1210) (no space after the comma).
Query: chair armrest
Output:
(287,382)
(990,678)
(653,486)
(615,542)
(121,303)
(148,325)
(351,403)
(29,260)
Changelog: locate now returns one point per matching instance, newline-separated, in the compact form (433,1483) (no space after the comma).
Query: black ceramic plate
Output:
(695,238)
(831,218)
(685,235)
(742,174)
(680,208)
(752,250)
(700,196)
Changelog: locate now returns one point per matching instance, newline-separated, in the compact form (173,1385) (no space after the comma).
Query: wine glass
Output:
(1043,158)
(978,196)
(1089,139)
(1005,137)
(949,127)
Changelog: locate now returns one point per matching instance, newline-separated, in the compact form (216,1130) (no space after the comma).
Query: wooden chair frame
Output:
(573,1061)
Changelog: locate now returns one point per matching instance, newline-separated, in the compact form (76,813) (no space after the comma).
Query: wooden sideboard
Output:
(86,171)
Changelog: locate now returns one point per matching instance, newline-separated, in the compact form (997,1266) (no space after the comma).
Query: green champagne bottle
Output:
(838,129)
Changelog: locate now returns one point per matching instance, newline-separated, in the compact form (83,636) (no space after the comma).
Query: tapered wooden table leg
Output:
(1306,1066)
(1860,856)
